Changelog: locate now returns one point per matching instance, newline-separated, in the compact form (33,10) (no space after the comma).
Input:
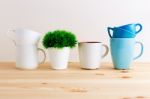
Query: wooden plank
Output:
(75,83)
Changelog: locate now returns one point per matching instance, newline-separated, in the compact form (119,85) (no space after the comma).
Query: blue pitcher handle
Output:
(139,55)
(109,33)
(138,24)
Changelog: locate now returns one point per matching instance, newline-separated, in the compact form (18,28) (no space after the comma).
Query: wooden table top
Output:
(75,83)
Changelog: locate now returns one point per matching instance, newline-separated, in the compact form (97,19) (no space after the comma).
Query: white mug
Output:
(23,36)
(90,54)
(27,56)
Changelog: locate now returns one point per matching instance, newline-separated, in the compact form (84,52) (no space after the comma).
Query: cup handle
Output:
(107,50)
(140,27)
(44,54)
(140,54)
(10,37)
(109,33)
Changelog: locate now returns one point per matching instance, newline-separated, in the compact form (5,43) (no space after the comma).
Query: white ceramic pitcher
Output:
(23,36)
(27,56)
(26,48)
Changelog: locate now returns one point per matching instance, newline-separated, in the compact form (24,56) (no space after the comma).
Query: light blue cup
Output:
(122,52)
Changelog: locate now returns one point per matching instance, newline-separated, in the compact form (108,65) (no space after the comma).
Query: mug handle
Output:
(140,54)
(44,54)
(107,50)
(10,37)
(138,24)
(109,33)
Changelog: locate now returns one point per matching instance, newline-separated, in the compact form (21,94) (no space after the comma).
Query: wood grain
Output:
(75,83)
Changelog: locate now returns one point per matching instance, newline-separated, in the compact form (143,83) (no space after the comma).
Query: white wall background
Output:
(88,19)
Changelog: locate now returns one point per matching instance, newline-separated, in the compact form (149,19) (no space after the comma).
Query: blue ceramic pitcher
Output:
(134,28)
(119,33)
(125,31)
(122,52)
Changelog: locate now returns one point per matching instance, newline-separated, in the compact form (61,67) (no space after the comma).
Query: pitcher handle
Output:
(44,54)
(140,27)
(109,33)
(107,50)
(140,54)
(9,35)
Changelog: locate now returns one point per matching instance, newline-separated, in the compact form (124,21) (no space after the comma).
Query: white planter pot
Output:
(59,57)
